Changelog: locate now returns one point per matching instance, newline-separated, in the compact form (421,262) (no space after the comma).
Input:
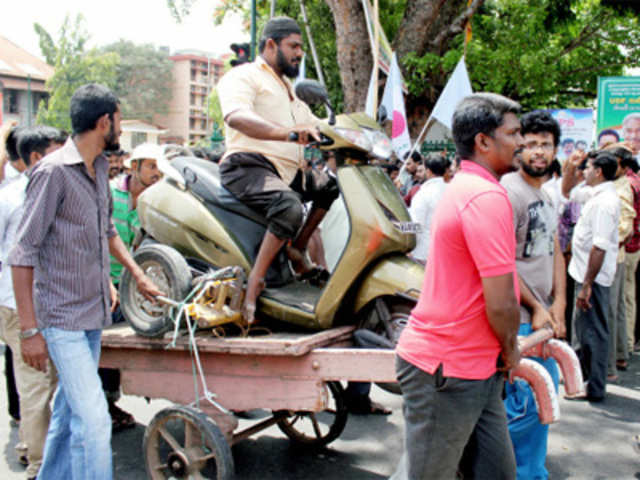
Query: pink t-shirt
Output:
(472,237)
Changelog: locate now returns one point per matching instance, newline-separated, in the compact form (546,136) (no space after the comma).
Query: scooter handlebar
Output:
(325,141)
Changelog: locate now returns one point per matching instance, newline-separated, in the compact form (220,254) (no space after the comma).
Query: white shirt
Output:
(553,188)
(423,204)
(10,172)
(11,207)
(581,193)
(597,226)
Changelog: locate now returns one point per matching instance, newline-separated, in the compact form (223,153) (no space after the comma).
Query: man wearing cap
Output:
(125,190)
(262,167)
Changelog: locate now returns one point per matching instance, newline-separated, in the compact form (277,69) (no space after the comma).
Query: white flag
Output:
(301,71)
(456,89)
(393,104)
(370,105)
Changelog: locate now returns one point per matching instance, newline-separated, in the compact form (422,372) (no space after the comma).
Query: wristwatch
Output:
(31,332)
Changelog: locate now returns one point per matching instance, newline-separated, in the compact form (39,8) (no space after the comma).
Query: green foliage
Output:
(549,53)
(215,110)
(143,79)
(73,67)
(543,53)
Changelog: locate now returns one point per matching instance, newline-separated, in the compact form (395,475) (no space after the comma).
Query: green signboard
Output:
(618,108)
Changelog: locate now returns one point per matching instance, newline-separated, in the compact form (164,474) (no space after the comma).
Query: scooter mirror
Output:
(312,92)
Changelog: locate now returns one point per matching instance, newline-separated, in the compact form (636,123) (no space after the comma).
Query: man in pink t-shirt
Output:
(463,331)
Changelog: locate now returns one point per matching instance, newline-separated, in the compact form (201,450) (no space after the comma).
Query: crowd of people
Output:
(512,242)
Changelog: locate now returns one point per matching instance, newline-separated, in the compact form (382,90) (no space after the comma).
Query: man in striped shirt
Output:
(60,268)
(125,191)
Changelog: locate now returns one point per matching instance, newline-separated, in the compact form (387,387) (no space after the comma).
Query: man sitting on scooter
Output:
(261,166)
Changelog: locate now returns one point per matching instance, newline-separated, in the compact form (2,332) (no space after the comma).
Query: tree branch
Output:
(457,26)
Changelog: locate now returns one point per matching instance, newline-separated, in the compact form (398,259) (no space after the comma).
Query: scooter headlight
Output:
(381,145)
(357,137)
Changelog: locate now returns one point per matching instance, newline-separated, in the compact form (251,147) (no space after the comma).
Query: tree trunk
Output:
(353,51)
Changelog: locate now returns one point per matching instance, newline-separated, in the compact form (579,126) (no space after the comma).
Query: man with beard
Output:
(464,327)
(262,166)
(541,272)
(115,163)
(60,269)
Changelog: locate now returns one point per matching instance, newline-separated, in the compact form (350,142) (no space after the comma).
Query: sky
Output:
(141,21)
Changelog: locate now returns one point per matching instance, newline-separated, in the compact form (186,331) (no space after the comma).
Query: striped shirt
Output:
(64,236)
(125,219)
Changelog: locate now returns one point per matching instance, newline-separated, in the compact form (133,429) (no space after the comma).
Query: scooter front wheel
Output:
(169,271)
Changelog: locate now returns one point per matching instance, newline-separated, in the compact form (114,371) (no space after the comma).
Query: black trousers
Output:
(253,180)
(593,338)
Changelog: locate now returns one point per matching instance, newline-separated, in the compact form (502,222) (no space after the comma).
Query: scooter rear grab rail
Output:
(541,344)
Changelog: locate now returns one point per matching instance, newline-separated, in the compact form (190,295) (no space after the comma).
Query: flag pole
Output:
(312,45)
(376,54)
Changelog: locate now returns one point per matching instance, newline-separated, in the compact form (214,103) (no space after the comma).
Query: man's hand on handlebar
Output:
(303,134)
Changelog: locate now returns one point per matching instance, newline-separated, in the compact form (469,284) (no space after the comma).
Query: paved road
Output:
(591,441)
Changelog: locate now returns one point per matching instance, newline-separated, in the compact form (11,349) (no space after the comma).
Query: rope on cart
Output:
(193,346)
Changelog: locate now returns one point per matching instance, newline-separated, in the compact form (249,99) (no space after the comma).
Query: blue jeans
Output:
(78,445)
(528,435)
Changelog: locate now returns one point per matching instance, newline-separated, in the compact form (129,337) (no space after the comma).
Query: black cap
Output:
(280,27)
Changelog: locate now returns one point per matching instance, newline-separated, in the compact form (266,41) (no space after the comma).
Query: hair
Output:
(607,162)
(89,103)
(609,131)
(568,140)
(11,144)
(479,113)
(38,139)
(391,167)
(623,154)
(438,164)
(278,28)
(555,168)
(631,116)
(539,121)
(415,157)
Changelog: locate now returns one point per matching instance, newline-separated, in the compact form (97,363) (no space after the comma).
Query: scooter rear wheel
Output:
(387,318)
(168,269)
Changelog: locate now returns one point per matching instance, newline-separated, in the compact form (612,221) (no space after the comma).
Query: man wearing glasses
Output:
(541,274)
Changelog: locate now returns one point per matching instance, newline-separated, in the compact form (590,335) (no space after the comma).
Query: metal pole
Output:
(253,30)
(272,13)
(312,45)
(208,88)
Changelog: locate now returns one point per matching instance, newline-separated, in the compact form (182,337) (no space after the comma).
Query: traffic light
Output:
(242,51)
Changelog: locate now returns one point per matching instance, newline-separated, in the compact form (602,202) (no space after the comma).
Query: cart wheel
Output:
(182,442)
(168,269)
(317,429)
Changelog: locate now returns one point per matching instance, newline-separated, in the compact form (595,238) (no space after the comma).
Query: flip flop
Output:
(120,420)
(368,407)
(622,365)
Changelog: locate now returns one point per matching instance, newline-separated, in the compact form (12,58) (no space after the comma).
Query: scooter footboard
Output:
(544,391)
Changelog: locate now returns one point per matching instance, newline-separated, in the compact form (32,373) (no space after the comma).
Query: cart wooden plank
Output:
(281,343)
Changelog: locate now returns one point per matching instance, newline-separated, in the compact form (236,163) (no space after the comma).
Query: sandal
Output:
(366,406)
(622,365)
(120,420)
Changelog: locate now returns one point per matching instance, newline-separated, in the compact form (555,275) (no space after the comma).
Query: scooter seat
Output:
(203,178)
